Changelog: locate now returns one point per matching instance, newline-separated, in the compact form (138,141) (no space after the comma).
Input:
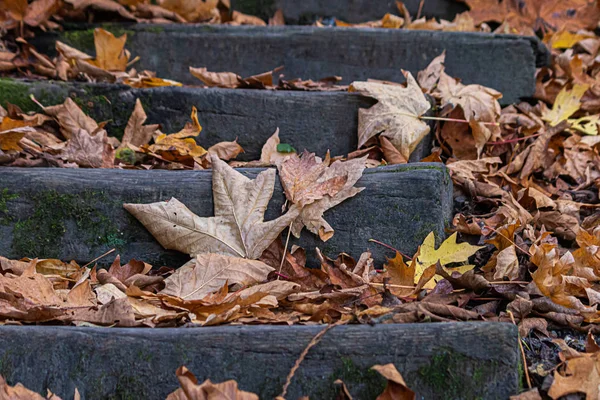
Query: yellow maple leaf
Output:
(587,125)
(448,252)
(566,104)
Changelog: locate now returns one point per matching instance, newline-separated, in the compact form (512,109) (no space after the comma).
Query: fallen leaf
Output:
(226,150)
(88,151)
(136,133)
(110,51)
(71,119)
(396,388)
(191,390)
(566,104)
(396,115)
(237,228)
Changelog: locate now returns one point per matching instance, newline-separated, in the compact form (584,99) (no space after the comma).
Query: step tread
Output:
(438,360)
(504,62)
(400,206)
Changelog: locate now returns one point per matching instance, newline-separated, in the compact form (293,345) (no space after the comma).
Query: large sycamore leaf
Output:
(395,116)
(208,272)
(238,227)
(448,252)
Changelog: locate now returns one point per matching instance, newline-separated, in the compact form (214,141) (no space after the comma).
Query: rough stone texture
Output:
(316,121)
(439,361)
(307,11)
(504,62)
(78,214)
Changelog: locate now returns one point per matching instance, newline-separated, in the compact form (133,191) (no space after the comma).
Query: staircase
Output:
(400,205)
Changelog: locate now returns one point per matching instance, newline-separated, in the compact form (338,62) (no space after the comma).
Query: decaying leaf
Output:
(191,390)
(396,115)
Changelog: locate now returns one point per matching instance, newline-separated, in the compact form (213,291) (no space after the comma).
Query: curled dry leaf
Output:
(191,390)
(237,228)
(396,115)
(396,388)
(226,150)
(311,216)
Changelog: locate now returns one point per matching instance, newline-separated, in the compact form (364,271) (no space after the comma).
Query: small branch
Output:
(310,345)
(463,121)
(515,140)
(512,318)
(97,258)
(391,285)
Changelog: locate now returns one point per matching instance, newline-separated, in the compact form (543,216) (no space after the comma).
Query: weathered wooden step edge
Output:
(306,11)
(438,360)
(316,121)
(78,214)
(504,62)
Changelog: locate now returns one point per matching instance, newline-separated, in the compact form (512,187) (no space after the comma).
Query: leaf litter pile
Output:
(526,194)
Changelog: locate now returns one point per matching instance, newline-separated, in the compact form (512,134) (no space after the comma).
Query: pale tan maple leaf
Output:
(110,51)
(208,272)
(311,216)
(269,154)
(237,229)
(395,116)
(301,179)
(226,150)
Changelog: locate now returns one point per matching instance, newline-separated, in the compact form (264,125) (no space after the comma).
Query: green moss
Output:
(17,93)
(444,376)
(84,39)
(41,233)
(5,197)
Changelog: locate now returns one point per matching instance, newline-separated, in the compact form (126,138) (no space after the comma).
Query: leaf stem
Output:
(287,241)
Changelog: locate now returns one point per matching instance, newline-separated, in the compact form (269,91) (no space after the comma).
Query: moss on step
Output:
(83,39)
(42,232)
(17,93)
(363,382)
(444,375)
(5,197)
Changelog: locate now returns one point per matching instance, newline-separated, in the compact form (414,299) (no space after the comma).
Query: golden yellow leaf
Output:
(448,252)
(565,39)
(587,125)
(566,104)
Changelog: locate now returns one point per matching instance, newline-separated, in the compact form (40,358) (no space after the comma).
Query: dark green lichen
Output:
(444,376)
(41,233)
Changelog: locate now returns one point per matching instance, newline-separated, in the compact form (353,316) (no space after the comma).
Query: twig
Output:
(287,241)
(97,258)
(391,285)
(516,140)
(390,247)
(512,318)
(510,282)
(420,9)
(510,240)
(464,121)
(312,343)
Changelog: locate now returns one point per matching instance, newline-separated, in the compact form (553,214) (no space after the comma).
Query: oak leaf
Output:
(395,116)
(237,229)
(448,252)
(208,272)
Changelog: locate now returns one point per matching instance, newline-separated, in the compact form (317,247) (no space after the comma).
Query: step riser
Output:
(505,63)
(469,360)
(78,214)
(354,11)
(316,121)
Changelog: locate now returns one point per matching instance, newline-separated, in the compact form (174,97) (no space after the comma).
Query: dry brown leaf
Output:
(311,216)
(237,228)
(192,10)
(71,119)
(89,151)
(400,274)
(396,388)
(226,150)
(581,375)
(208,272)
(136,133)
(102,5)
(39,11)
(19,392)
(110,51)
(269,154)
(191,390)
(302,179)
(395,116)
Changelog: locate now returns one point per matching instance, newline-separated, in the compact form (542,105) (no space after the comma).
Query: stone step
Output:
(316,121)
(78,214)
(506,63)
(307,11)
(466,360)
